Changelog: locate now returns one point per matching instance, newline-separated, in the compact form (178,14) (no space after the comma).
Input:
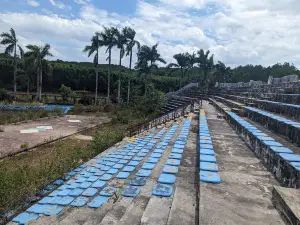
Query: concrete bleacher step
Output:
(184,205)
(115,213)
(135,211)
(120,209)
(287,202)
(165,210)
(129,210)
(68,215)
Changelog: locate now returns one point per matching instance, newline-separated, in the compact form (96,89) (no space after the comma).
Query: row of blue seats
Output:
(272,146)
(270,115)
(171,168)
(208,163)
(91,177)
(290,129)
(278,103)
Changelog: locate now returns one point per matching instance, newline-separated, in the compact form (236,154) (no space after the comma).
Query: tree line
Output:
(35,70)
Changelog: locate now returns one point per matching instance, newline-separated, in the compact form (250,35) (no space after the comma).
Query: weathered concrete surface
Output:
(244,196)
(184,205)
(287,202)
(281,139)
(11,139)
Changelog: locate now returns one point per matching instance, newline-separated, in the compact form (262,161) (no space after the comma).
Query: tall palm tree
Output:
(147,58)
(109,40)
(96,43)
(11,42)
(206,63)
(27,69)
(192,60)
(223,73)
(182,63)
(121,42)
(130,35)
(39,53)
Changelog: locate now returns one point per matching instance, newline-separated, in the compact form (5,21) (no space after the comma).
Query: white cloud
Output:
(82,2)
(197,4)
(60,5)
(33,3)
(236,31)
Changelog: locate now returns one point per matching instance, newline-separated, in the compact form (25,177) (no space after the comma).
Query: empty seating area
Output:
(196,168)
(142,167)
(174,103)
(287,109)
(208,163)
(286,127)
(281,161)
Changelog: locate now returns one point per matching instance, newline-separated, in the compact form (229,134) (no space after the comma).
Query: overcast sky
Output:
(237,32)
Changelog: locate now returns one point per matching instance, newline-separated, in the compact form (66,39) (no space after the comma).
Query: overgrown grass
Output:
(7,116)
(26,174)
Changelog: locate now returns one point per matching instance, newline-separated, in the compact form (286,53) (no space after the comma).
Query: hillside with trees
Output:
(28,70)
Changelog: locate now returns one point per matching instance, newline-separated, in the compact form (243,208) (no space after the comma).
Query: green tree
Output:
(147,58)
(109,39)
(11,42)
(130,35)
(192,60)
(96,43)
(182,63)
(206,63)
(121,42)
(27,70)
(39,53)
(223,74)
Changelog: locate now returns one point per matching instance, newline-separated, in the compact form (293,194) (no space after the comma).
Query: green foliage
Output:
(58,112)
(24,146)
(66,93)
(151,102)
(28,173)
(8,117)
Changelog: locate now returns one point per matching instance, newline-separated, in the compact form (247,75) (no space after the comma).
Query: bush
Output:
(66,93)
(151,102)
(58,111)
(24,146)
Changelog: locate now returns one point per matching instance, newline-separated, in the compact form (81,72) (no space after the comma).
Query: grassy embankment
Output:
(26,174)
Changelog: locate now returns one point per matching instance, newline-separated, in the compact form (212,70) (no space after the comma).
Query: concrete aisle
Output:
(244,196)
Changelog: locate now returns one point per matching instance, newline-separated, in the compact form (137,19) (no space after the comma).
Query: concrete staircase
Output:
(146,157)
(158,179)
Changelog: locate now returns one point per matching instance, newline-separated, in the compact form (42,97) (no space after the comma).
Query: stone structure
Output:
(285,79)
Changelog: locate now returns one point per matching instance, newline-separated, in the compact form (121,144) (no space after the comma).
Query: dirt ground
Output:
(12,138)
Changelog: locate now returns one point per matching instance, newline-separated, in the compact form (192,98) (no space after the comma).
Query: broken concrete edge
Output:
(284,172)
(281,204)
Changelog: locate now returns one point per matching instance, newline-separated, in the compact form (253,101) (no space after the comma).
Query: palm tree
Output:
(192,60)
(206,63)
(223,73)
(130,35)
(96,43)
(10,39)
(109,40)
(182,62)
(145,56)
(27,68)
(38,53)
(121,42)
